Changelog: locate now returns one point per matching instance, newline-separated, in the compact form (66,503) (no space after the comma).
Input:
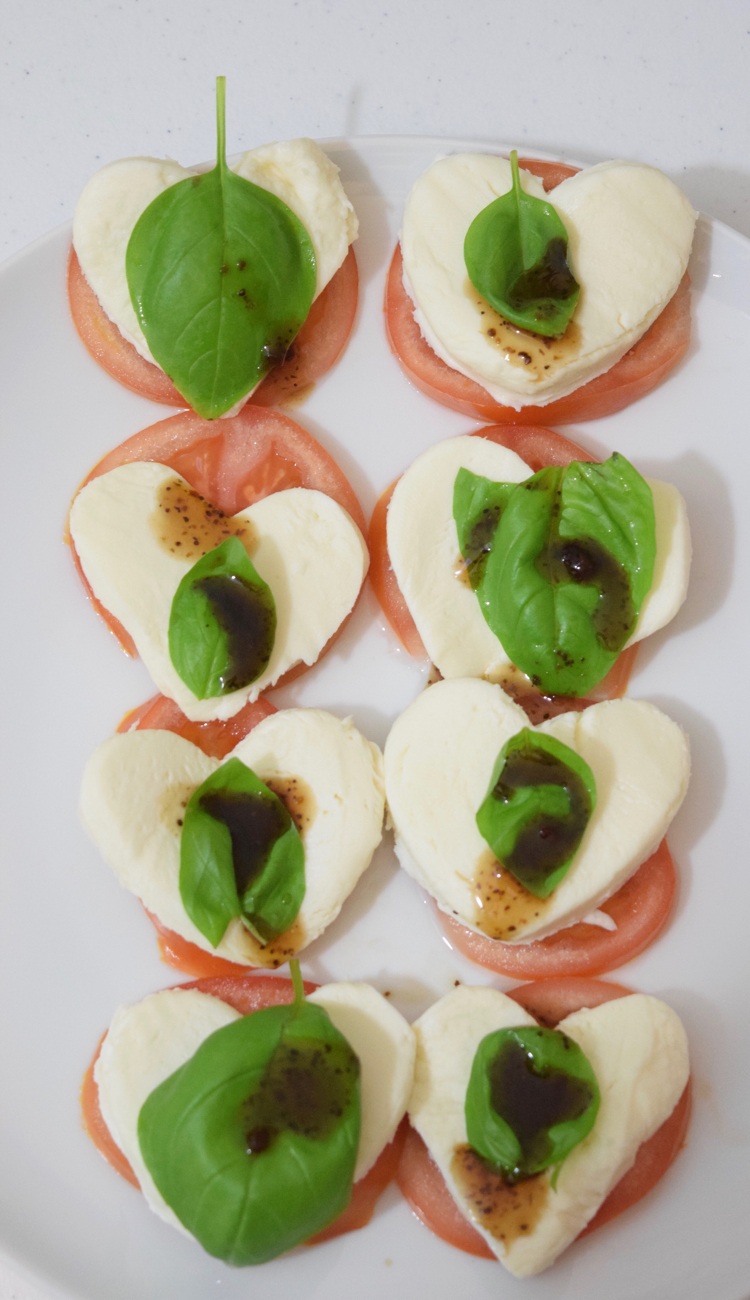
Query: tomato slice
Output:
(549,1001)
(317,346)
(188,958)
(538,447)
(232,463)
(247,994)
(640,909)
(640,370)
(216,739)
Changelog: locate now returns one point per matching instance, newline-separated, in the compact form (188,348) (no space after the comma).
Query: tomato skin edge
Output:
(582,949)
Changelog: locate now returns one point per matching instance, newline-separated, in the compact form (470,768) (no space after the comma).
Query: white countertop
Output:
(93,80)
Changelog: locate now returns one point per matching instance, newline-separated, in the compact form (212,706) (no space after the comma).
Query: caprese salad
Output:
(541,846)
(285,1099)
(228,556)
(503,303)
(243,859)
(540,1115)
(537,580)
(208,288)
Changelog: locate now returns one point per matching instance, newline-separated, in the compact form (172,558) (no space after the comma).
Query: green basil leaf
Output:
(477,506)
(222,275)
(240,855)
(516,256)
(253,1141)
(570,564)
(532,1097)
(538,805)
(222,623)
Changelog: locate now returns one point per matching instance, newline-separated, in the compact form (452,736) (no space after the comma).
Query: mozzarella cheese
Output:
(638,1051)
(424,553)
(629,229)
(147,1042)
(301,542)
(136,787)
(296,171)
(386,1047)
(439,759)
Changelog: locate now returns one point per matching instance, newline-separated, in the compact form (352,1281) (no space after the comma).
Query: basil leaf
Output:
(253,1141)
(532,1097)
(477,506)
(571,562)
(516,256)
(221,275)
(240,855)
(222,623)
(539,803)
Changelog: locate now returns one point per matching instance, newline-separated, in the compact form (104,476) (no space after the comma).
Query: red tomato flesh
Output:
(216,738)
(538,447)
(640,908)
(247,994)
(640,370)
(549,1001)
(232,463)
(317,346)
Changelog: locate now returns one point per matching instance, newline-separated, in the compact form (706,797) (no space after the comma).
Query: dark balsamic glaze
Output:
(479,544)
(247,615)
(532,1102)
(254,823)
(545,842)
(546,283)
(306,1088)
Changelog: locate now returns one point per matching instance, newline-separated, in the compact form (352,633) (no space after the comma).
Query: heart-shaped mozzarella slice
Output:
(136,787)
(630,230)
(439,759)
(301,542)
(149,1041)
(637,1048)
(296,171)
(423,551)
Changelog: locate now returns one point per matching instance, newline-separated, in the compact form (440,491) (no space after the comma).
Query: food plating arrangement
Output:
(528,796)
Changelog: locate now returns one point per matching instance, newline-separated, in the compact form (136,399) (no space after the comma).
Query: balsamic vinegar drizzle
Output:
(545,842)
(532,1102)
(254,824)
(189,526)
(248,617)
(305,1089)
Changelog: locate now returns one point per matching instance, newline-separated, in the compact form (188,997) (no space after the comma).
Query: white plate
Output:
(73,945)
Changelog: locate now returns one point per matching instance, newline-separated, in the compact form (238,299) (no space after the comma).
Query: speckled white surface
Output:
(92,80)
